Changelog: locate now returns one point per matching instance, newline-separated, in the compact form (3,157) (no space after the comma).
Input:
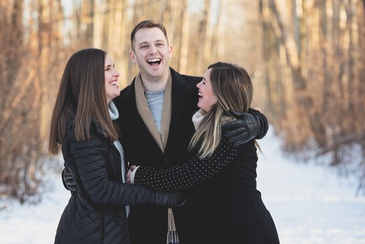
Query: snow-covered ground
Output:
(310,204)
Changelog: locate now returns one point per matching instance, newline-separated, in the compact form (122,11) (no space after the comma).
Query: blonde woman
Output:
(232,210)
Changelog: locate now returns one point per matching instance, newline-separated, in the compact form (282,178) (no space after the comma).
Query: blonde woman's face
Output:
(206,96)
(111,80)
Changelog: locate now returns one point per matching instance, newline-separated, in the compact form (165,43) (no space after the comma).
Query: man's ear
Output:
(132,56)
(170,51)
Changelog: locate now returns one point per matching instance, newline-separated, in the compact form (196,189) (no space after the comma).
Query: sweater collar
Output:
(197,118)
(113,111)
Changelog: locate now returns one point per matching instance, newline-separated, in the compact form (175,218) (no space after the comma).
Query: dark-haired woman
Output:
(83,124)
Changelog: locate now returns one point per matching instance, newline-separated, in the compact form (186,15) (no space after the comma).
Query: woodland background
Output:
(305,57)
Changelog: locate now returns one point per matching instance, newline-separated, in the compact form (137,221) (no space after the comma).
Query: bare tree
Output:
(309,56)
(27,68)
(314,54)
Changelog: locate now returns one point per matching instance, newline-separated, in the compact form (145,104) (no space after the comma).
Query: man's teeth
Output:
(199,94)
(153,61)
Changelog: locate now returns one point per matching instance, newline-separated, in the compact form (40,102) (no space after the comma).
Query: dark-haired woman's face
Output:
(206,96)
(111,80)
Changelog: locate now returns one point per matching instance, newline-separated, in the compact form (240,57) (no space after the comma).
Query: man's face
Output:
(151,52)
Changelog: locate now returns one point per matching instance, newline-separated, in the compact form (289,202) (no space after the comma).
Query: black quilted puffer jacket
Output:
(96,213)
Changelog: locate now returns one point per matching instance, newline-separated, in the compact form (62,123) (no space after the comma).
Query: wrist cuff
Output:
(133,174)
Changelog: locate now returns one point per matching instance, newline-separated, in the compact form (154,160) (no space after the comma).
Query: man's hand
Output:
(247,126)
(170,199)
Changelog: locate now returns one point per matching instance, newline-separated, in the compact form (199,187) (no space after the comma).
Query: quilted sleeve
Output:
(92,178)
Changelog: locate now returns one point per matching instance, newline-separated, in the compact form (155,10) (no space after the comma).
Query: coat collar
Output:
(179,95)
(179,91)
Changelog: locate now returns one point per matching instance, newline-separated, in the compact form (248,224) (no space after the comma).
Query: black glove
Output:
(170,199)
(68,181)
(246,127)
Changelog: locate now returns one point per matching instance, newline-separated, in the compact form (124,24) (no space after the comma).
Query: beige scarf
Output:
(144,111)
(160,138)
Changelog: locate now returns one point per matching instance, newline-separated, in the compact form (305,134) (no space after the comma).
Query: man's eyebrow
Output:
(146,42)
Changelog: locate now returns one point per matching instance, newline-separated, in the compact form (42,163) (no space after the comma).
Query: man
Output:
(156,127)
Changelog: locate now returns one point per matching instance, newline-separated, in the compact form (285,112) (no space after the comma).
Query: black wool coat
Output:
(148,224)
(96,212)
(234,211)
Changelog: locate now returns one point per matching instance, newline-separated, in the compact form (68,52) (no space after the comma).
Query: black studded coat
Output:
(233,211)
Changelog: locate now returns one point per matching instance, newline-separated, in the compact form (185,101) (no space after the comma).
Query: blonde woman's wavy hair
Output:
(233,89)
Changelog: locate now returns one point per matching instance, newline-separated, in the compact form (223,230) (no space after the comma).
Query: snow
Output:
(309,203)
